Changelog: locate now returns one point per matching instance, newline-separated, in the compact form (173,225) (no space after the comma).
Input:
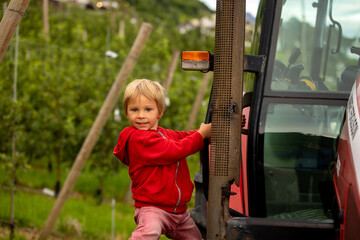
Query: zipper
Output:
(176,171)
(177,167)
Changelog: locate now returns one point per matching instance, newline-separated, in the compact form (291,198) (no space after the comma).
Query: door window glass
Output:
(299,149)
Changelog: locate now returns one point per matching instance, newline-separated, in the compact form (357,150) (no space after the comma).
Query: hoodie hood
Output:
(120,148)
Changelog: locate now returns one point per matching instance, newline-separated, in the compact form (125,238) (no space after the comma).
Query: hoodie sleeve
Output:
(151,148)
(120,148)
(183,134)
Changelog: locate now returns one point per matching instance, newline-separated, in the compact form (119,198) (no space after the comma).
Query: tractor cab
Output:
(312,63)
(303,64)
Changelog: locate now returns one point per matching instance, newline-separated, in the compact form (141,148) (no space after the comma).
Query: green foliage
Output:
(62,83)
(114,184)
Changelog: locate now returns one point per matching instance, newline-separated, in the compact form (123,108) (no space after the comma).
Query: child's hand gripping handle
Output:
(205,130)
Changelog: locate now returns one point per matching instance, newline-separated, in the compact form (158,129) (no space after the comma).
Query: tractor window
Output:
(299,147)
(313,46)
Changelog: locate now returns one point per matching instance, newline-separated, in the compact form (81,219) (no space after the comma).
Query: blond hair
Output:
(150,89)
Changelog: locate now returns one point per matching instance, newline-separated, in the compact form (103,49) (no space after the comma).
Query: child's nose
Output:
(141,114)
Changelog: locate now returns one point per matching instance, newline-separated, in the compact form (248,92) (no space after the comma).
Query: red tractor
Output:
(294,171)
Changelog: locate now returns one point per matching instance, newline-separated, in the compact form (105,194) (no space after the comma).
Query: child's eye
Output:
(133,109)
(148,109)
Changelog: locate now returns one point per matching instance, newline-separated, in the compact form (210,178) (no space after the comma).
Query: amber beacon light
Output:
(195,60)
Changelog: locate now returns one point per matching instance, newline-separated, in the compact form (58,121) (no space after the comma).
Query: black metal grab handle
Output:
(335,23)
(204,157)
(204,153)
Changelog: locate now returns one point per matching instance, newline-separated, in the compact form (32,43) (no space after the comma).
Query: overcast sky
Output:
(251,5)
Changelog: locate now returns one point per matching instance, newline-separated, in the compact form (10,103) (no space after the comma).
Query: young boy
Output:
(161,183)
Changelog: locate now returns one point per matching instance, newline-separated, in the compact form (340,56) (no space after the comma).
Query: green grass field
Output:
(82,217)
(79,218)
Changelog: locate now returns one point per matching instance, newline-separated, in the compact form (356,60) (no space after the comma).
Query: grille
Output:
(226,38)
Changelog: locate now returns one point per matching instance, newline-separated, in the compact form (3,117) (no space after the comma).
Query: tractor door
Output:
(298,105)
(296,116)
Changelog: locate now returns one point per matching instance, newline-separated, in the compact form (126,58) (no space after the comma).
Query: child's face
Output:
(143,113)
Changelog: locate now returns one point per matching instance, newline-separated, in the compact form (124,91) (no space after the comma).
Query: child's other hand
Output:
(205,130)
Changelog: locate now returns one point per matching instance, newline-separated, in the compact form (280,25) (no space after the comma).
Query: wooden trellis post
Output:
(197,103)
(171,69)
(11,19)
(46,19)
(97,127)
(122,29)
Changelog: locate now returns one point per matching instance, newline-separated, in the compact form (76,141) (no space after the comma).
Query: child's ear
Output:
(161,113)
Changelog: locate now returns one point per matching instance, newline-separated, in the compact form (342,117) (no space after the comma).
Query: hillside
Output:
(168,12)
(61,82)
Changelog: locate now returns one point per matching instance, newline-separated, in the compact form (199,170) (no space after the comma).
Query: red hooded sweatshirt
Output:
(157,166)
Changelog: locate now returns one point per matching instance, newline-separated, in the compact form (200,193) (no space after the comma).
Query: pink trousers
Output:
(152,222)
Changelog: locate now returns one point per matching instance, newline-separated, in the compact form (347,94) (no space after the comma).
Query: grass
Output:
(81,217)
